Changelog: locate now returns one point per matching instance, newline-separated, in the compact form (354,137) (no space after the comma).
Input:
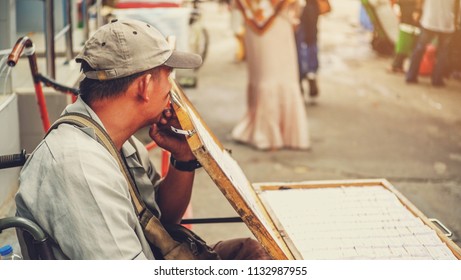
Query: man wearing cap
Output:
(71,185)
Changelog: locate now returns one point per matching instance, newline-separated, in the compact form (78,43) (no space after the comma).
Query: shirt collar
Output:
(79,106)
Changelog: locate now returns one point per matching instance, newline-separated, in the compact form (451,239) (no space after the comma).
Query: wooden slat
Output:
(317,184)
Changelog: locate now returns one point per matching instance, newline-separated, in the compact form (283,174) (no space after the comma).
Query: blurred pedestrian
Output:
(306,41)
(408,31)
(438,20)
(276,116)
(454,65)
(306,36)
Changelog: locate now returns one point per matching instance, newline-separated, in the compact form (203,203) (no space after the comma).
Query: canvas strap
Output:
(154,231)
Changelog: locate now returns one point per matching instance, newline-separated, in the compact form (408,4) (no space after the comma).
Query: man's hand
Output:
(165,138)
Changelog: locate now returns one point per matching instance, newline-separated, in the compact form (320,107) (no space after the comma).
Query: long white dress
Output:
(276,117)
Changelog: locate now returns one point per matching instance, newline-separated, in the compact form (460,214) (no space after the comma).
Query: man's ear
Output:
(143,87)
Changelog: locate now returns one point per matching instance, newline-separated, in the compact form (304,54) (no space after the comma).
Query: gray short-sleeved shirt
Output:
(73,188)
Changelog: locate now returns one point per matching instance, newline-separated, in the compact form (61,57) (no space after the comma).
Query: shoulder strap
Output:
(104,139)
(153,229)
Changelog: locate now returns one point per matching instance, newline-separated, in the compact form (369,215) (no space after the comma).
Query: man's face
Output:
(159,96)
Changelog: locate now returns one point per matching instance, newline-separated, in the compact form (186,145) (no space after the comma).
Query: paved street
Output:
(367,124)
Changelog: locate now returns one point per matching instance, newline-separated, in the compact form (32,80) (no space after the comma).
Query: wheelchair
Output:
(34,238)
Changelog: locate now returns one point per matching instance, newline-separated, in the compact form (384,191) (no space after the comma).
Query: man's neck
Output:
(118,119)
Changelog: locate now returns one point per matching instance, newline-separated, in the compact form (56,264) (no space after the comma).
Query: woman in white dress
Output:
(276,117)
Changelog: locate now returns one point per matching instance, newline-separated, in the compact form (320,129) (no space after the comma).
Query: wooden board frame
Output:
(271,237)
(272,186)
(272,241)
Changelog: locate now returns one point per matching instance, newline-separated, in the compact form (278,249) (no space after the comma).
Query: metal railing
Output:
(86,16)
(51,37)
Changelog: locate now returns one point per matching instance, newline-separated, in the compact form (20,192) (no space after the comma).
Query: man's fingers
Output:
(167,116)
(153,130)
(167,113)
(163,121)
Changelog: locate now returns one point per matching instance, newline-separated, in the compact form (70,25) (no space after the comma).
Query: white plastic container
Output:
(7,253)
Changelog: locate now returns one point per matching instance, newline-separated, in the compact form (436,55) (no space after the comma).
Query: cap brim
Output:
(183,60)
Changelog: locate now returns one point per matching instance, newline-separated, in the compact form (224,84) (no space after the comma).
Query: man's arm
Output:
(174,194)
(175,190)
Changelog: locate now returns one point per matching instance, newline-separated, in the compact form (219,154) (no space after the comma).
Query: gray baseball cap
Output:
(125,47)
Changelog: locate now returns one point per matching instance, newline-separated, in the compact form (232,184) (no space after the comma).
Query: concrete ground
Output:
(366,124)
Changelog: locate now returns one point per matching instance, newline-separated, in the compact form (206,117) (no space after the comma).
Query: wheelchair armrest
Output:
(34,237)
(25,224)
(14,160)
